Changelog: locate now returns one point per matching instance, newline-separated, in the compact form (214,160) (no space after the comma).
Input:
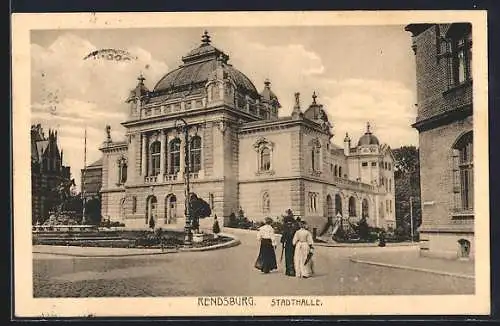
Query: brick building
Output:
(91,178)
(443,55)
(243,154)
(47,172)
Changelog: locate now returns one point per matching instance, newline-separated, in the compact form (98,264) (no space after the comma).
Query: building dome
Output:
(315,111)
(368,138)
(197,68)
(268,95)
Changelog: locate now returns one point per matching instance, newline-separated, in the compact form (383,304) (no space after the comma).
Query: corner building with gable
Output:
(243,154)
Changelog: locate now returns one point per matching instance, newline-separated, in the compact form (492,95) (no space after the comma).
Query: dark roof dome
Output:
(198,65)
(368,138)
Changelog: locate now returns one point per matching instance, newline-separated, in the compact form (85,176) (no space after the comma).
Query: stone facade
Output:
(444,121)
(242,154)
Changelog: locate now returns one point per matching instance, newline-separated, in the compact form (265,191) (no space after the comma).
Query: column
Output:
(144,158)
(162,154)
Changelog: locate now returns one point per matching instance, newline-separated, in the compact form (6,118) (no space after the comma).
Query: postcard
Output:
(250,164)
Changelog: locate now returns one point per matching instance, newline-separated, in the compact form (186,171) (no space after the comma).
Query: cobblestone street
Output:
(230,272)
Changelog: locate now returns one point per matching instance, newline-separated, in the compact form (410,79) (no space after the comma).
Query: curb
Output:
(417,269)
(232,243)
(365,245)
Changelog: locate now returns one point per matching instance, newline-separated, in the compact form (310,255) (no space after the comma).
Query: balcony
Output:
(151,179)
(170,177)
(353,184)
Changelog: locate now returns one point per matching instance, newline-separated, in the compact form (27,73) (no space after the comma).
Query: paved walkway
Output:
(230,272)
(411,260)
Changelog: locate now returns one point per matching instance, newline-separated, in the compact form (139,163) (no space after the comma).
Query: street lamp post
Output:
(411,217)
(187,212)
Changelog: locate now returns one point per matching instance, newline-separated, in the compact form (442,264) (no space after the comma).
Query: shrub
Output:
(232,221)
(216,227)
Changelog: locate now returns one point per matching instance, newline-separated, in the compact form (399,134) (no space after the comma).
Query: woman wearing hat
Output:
(303,242)
(266,261)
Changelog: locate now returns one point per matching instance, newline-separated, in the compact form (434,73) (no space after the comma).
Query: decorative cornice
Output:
(443,118)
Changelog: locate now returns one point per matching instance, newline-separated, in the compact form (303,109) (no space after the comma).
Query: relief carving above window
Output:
(264,149)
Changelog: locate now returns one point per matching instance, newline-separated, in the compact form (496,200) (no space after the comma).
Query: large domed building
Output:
(242,153)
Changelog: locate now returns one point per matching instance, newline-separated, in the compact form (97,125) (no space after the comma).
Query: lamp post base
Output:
(187,237)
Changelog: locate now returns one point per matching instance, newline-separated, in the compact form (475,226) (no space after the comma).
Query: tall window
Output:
(175,155)
(315,155)
(336,171)
(352,206)
(155,158)
(340,171)
(266,203)
(464,172)
(122,168)
(460,60)
(265,159)
(313,201)
(134,204)
(195,154)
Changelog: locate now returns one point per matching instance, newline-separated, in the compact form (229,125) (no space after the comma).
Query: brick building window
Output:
(195,154)
(463,172)
(459,50)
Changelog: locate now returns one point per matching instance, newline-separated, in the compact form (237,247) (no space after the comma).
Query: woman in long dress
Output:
(288,247)
(303,242)
(266,261)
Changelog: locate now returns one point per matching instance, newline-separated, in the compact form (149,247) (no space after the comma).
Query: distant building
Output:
(242,153)
(443,55)
(47,171)
(91,179)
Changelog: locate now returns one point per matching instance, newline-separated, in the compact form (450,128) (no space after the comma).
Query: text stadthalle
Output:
(284,302)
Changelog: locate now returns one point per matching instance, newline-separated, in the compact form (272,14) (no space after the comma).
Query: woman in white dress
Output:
(266,261)
(303,242)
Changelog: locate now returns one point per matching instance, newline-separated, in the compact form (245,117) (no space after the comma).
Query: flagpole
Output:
(83,176)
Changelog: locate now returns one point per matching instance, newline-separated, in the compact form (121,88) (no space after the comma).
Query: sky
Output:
(360,74)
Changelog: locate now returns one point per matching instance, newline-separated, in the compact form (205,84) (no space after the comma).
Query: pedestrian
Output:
(287,247)
(303,242)
(266,261)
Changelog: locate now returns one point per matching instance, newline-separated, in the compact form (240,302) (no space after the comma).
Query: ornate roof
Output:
(198,65)
(368,138)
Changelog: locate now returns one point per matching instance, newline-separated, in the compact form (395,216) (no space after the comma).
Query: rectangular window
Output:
(374,163)
(387,206)
(364,164)
(187,105)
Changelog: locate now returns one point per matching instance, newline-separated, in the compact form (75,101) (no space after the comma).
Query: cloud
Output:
(349,102)
(70,94)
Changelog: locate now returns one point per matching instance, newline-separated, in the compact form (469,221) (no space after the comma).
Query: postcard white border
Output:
(27,306)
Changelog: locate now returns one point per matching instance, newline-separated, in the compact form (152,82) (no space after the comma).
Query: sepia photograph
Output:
(190,164)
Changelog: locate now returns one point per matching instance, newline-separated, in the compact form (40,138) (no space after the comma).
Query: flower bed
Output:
(125,239)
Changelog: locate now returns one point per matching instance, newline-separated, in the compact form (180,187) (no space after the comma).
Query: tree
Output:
(199,209)
(406,186)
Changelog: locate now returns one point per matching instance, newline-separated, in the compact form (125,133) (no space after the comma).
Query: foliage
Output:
(108,224)
(407,185)
(93,211)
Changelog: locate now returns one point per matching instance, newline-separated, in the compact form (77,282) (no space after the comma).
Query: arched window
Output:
(155,158)
(175,155)
(195,154)
(340,171)
(265,159)
(122,170)
(122,208)
(315,155)
(463,172)
(338,204)
(266,203)
(364,208)
(336,171)
(464,248)
(352,206)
